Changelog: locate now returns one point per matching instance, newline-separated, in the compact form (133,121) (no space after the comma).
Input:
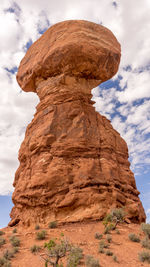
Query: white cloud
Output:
(135,40)
(148,215)
(16,111)
(139,114)
(131,120)
(104,101)
(148,211)
(10,33)
(136,86)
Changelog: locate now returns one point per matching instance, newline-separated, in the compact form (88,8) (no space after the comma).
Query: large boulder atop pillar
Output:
(76,48)
(73,165)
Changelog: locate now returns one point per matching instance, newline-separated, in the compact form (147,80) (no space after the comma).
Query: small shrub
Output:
(118,215)
(109,253)
(98,236)
(145,243)
(107,219)
(2,233)
(2,241)
(41,235)
(101,250)
(75,256)
(35,248)
(7,264)
(109,238)
(103,245)
(109,228)
(91,261)
(37,227)
(106,231)
(14,231)
(56,251)
(8,254)
(117,232)
(15,250)
(146,229)
(15,241)
(50,245)
(133,237)
(4,262)
(52,225)
(114,258)
(144,256)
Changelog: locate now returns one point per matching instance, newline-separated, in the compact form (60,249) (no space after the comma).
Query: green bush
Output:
(4,262)
(50,245)
(107,219)
(15,250)
(37,227)
(15,241)
(118,215)
(109,253)
(41,235)
(14,231)
(109,228)
(109,238)
(117,232)
(91,261)
(2,233)
(35,248)
(114,258)
(52,225)
(145,243)
(74,257)
(146,229)
(144,256)
(98,236)
(2,241)
(56,251)
(8,254)
(133,237)
(101,250)
(103,245)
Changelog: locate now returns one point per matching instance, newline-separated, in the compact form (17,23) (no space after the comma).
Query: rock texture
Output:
(73,165)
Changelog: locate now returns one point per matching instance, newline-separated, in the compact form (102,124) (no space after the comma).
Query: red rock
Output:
(73,165)
(75,48)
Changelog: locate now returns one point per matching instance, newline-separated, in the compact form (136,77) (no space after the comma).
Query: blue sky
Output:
(5,208)
(125,99)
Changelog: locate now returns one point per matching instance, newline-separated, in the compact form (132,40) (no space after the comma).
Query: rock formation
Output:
(73,165)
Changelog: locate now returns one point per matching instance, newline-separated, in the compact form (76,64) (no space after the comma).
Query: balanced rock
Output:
(73,165)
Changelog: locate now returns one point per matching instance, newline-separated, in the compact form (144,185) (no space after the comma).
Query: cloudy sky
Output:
(125,99)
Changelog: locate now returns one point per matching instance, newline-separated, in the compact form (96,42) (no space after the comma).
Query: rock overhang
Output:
(75,48)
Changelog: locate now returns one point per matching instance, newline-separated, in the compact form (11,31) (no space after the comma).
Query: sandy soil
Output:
(82,235)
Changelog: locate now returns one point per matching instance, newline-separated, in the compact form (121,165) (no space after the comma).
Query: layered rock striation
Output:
(73,165)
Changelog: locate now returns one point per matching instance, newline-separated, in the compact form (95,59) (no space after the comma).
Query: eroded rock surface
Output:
(73,165)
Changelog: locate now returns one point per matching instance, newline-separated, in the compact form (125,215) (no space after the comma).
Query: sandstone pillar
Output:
(73,165)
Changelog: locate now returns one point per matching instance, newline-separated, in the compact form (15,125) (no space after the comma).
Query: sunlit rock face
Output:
(73,165)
